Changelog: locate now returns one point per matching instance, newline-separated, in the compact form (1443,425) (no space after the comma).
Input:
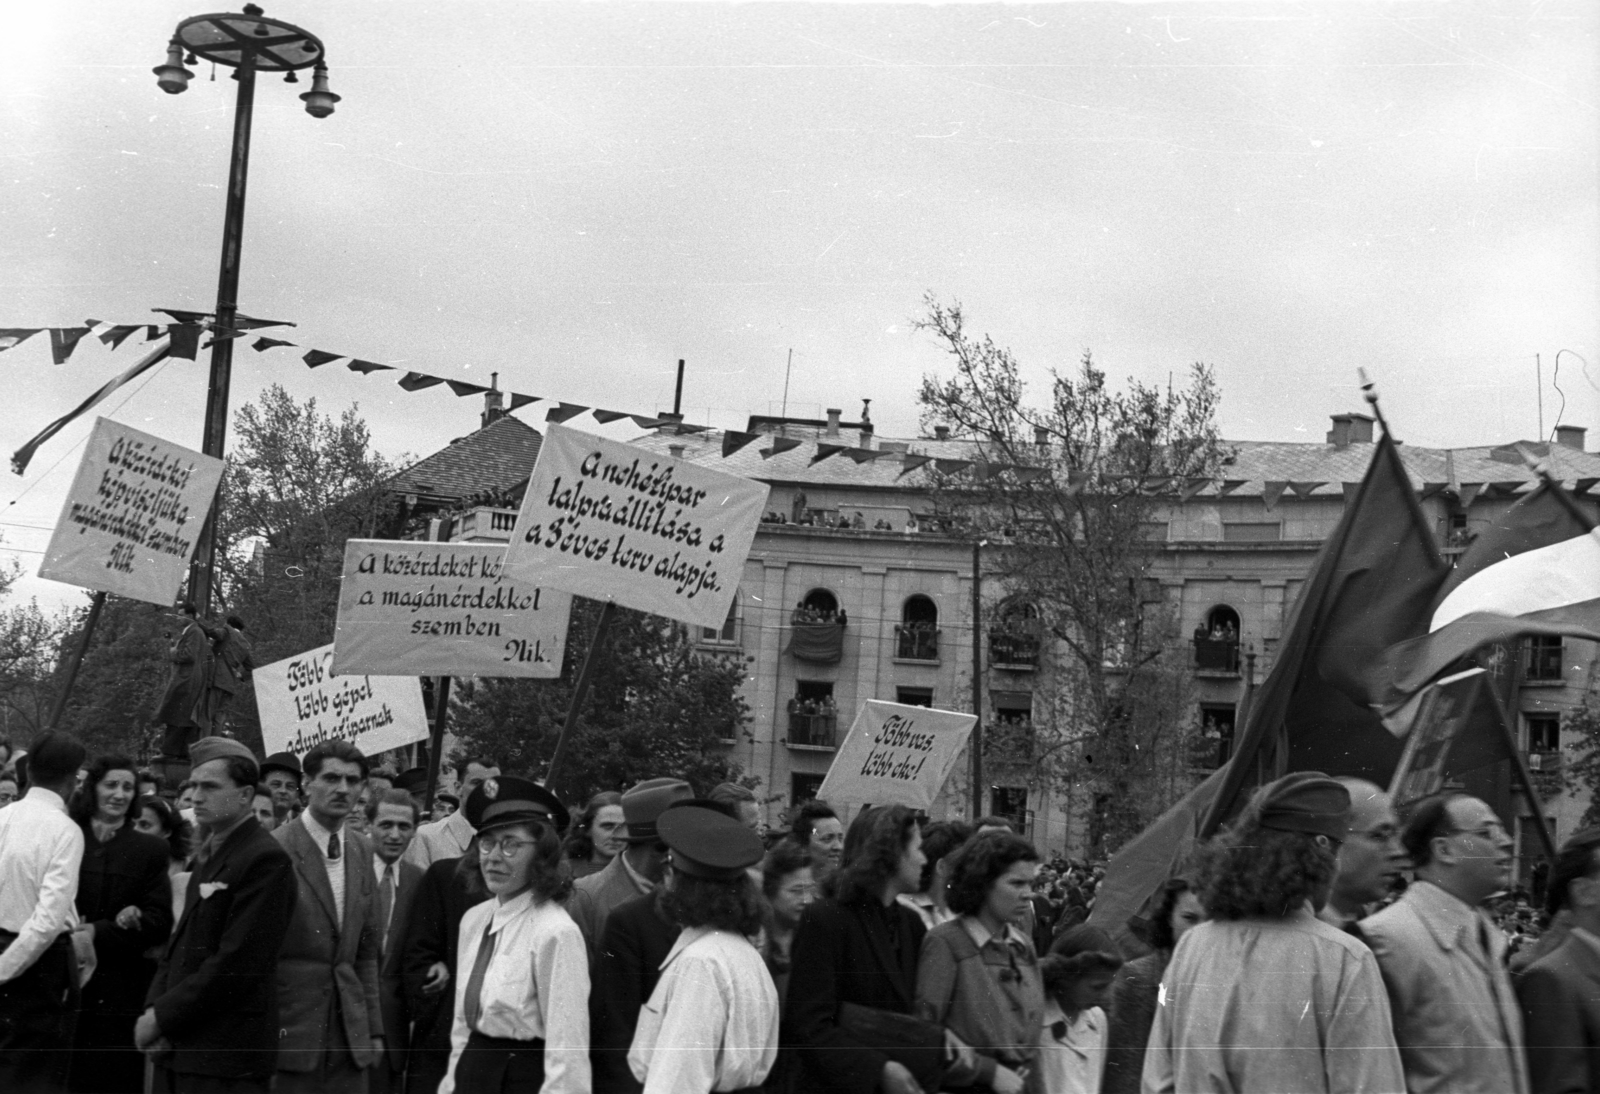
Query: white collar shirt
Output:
(712,1022)
(930,913)
(335,866)
(41,850)
(440,839)
(1073,1060)
(536,986)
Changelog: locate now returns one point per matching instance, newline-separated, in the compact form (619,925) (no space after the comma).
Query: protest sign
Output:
(133,515)
(616,522)
(303,703)
(896,754)
(444,609)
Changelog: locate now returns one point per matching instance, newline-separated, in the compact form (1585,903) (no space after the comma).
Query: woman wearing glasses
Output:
(978,975)
(522,986)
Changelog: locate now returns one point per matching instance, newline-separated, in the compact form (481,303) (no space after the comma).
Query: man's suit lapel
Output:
(308,864)
(207,871)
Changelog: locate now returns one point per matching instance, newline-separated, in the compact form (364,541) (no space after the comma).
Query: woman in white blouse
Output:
(522,990)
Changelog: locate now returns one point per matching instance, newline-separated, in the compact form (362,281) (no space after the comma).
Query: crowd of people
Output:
(299,926)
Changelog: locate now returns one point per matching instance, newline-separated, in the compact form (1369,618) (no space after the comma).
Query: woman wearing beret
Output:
(711,1023)
(522,1012)
(1266,996)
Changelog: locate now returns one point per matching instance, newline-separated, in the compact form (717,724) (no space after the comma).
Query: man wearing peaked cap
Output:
(712,1020)
(638,869)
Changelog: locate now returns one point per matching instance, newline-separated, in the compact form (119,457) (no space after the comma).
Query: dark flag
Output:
(20,458)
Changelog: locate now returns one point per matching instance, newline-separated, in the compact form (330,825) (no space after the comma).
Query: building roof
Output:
(498,457)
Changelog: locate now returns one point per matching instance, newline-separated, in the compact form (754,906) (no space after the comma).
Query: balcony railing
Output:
(486,523)
(1546,769)
(1543,662)
(1216,655)
(916,641)
(1014,646)
(1009,740)
(813,730)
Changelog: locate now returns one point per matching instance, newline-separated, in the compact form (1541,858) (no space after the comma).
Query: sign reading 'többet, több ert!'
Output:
(896,754)
(617,522)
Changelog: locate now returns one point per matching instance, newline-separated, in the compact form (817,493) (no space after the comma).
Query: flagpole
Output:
(1519,767)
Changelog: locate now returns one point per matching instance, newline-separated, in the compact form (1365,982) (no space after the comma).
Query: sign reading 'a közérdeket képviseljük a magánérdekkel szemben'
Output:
(444,609)
(617,522)
(133,516)
(302,703)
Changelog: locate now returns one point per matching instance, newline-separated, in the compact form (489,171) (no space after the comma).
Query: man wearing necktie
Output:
(328,1002)
(392,822)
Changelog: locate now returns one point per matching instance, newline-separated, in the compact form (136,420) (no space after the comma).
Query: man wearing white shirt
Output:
(391,824)
(449,838)
(40,852)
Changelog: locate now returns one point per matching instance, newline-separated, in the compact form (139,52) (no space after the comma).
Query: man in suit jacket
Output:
(392,822)
(432,940)
(450,837)
(637,870)
(1560,992)
(1456,1018)
(211,1021)
(186,687)
(331,1019)
(638,937)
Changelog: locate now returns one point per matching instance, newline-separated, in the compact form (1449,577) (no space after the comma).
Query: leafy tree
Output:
(122,678)
(30,643)
(657,707)
(1582,775)
(1064,492)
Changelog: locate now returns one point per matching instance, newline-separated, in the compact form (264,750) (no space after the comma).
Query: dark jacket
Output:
(190,656)
(1560,997)
(1133,1012)
(627,964)
(433,931)
(328,969)
(391,973)
(214,993)
(857,952)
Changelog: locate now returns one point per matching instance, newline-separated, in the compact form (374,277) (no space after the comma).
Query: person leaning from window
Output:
(978,975)
(857,945)
(522,1011)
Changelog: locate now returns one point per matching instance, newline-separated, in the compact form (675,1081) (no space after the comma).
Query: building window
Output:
(1251,531)
(813,715)
(1010,736)
(1213,745)
(729,634)
(817,629)
(1011,802)
(803,788)
(1216,641)
(917,635)
(914,697)
(1544,732)
(1542,657)
(1014,637)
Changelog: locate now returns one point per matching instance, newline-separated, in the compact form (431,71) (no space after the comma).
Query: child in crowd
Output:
(1077,977)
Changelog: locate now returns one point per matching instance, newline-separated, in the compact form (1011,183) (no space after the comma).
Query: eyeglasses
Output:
(505,848)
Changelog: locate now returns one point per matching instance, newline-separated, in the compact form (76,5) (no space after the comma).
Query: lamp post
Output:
(247,42)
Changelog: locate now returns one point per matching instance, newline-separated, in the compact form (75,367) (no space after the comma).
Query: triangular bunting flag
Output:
(1191,487)
(826,450)
(184,316)
(1505,489)
(1469,493)
(264,343)
(1159,485)
(1583,486)
(682,429)
(416,381)
(910,462)
(735,439)
(1304,489)
(366,368)
(1229,486)
(225,336)
(606,417)
(1026,475)
(315,357)
(1272,491)
(645,421)
(152,332)
(779,444)
(461,387)
(185,340)
(562,411)
(951,467)
(63,340)
(1350,489)
(247,322)
(1429,489)
(115,336)
(519,401)
(861,455)
(15,336)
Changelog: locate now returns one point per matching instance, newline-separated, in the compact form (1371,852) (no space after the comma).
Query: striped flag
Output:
(162,350)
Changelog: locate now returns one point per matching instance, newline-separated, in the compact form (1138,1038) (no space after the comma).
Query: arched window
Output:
(918,632)
(1216,641)
(818,606)
(817,631)
(1014,637)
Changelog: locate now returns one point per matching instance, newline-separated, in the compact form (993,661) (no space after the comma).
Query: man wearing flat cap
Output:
(1456,1017)
(637,870)
(1264,992)
(212,1017)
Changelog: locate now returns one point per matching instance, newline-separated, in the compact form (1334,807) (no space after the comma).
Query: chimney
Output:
(833,421)
(1570,436)
(493,408)
(1041,436)
(677,450)
(1349,429)
(941,433)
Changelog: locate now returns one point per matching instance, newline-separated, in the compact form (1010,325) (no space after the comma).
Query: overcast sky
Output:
(577,195)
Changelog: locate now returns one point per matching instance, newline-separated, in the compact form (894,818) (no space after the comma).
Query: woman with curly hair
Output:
(1137,984)
(857,945)
(1077,984)
(978,975)
(124,906)
(522,1013)
(598,835)
(1265,996)
(711,1022)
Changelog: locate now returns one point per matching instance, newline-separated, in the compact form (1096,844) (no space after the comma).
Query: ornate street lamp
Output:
(247,42)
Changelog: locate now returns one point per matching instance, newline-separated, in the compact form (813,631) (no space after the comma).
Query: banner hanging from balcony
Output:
(303,703)
(896,754)
(444,609)
(133,516)
(616,522)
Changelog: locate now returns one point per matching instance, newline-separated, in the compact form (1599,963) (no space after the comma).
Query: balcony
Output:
(486,525)
(1218,655)
(1547,770)
(1010,741)
(808,730)
(916,642)
(1014,647)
